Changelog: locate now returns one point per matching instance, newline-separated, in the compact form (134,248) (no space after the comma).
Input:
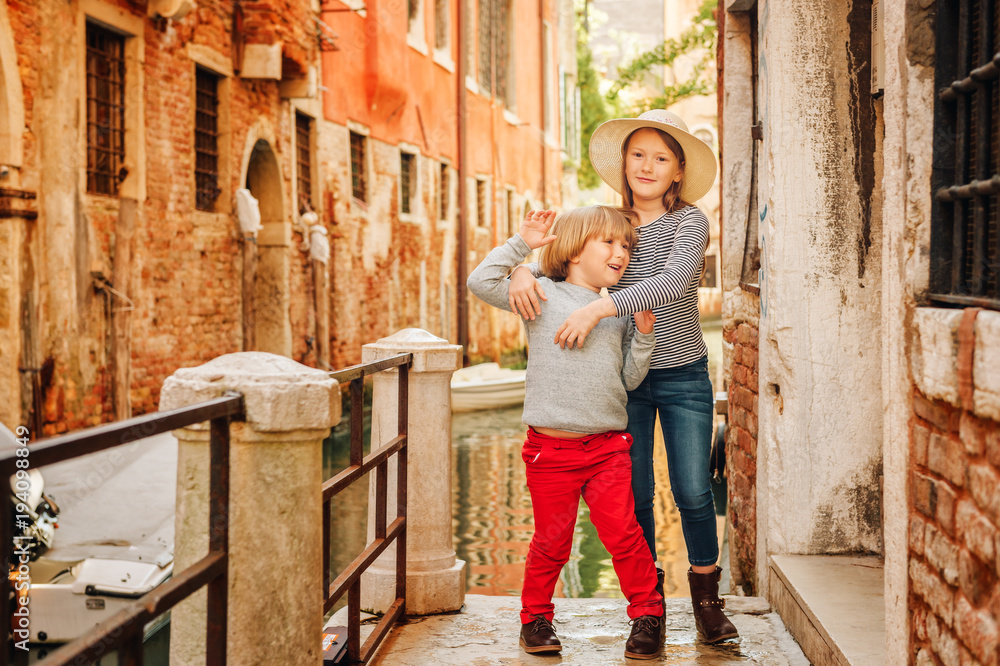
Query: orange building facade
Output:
(129,129)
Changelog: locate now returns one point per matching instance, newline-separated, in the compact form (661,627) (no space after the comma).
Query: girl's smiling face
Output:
(650,166)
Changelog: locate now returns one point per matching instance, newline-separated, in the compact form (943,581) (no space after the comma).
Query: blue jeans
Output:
(683,397)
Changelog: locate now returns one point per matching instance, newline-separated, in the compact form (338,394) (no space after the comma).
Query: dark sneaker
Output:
(644,641)
(539,636)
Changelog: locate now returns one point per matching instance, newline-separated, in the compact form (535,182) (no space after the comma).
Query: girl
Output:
(659,168)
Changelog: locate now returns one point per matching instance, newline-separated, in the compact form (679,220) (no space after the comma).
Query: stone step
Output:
(833,605)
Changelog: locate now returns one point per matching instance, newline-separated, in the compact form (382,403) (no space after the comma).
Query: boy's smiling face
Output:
(601,263)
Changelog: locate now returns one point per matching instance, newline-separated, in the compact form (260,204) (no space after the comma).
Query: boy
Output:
(574,408)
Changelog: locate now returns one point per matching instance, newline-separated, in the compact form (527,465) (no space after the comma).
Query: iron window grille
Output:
(359,184)
(443,193)
(481,202)
(494,48)
(303,158)
(965,229)
(105,110)
(407,179)
(206,139)
(441,24)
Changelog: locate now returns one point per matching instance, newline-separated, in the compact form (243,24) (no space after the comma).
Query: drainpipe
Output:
(463,304)
(545,74)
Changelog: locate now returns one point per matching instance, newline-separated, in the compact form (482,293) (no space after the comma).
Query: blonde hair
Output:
(577,226)
(672,197)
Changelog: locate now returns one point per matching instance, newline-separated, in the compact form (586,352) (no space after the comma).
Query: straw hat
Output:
(608,142)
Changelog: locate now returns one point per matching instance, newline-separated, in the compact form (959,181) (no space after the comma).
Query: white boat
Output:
(486,386)
(78,599)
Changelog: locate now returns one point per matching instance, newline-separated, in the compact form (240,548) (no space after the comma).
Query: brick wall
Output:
(741,455)
(954,509)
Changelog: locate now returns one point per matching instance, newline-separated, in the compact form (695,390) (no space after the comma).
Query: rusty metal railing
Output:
(349,580)
(124,631)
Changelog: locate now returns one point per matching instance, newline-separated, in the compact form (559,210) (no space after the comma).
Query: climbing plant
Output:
(698,40)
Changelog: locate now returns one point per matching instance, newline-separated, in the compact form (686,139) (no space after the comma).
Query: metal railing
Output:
(124,631)
(349,580)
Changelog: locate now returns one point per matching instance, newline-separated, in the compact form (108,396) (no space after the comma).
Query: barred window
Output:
(407,181)
(442,18)
(965,229)
(513,222)
(303,158)
(481,205)
(206,139)
(710,276)
(359,180)
(494,48)
(444,193)
(105,110)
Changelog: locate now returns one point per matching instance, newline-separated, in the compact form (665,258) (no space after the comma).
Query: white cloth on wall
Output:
(247,211)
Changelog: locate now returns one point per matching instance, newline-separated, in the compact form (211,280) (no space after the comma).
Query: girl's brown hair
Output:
(577,226)
(672,197)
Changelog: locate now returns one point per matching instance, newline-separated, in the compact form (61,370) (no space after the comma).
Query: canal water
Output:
(492,509)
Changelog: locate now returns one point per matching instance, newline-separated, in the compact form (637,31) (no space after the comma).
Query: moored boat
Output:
(486,386)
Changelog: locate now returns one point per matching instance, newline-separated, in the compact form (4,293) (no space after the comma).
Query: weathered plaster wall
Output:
(820,442)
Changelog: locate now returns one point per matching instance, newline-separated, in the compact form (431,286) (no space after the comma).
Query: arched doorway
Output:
(273,329)
(19,393)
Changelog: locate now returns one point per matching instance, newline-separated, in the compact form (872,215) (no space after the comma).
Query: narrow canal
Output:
(492,509)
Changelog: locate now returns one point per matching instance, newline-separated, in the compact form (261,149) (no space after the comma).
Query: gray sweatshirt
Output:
(578,390)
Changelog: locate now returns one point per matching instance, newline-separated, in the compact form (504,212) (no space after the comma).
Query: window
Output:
(444,193)
(965,227)
(709,277)
(303,159)
(105,110)
(547,77)
(494,49)
(513,222)
(569,97)
(441,24)
(407,182)
(359,180)
(206,139)
(481,206)
(415,29)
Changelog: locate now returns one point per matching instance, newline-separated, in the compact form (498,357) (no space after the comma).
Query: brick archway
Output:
(273,329)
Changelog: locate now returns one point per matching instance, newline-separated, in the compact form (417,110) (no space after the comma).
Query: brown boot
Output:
(660,576)
(646,638)
(539,636)
(712,623)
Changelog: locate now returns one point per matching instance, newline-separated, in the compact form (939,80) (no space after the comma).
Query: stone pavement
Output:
(593,631)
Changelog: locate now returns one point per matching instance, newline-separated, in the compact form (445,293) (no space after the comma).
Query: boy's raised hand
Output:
(644,321)
(536,226)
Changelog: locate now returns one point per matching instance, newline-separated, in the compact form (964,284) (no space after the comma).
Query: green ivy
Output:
(701,36)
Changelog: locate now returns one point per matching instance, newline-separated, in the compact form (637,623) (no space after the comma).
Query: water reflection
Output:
(492,508)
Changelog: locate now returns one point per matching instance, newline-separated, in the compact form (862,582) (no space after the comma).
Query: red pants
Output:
(599,467)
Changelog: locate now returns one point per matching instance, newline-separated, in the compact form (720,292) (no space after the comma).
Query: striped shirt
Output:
(663,276)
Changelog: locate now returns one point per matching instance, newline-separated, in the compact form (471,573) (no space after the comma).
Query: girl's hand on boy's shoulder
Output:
(644,321)
(535,228)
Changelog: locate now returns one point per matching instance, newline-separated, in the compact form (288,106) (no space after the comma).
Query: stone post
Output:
(435,579)
(275,507)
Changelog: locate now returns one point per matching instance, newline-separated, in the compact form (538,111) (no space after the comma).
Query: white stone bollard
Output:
(435,579)
(275,507)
